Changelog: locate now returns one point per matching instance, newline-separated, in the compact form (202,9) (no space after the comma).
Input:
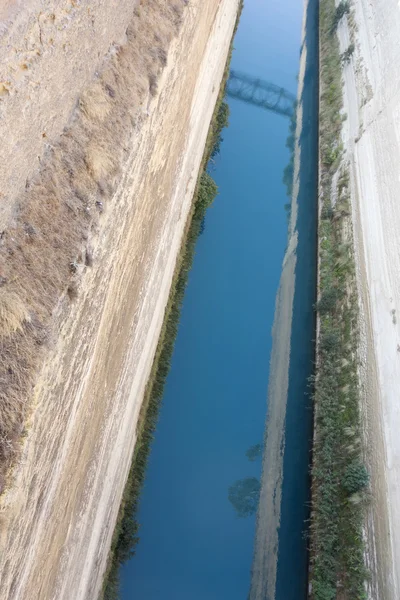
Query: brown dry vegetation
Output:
(45,247)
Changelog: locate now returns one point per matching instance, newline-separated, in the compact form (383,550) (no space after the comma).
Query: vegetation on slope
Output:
(45,246)
(125,536)
(340,479)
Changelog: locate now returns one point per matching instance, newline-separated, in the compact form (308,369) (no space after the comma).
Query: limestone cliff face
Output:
(90,242)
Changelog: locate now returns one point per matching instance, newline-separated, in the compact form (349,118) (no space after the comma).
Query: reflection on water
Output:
(292,553)
(197,508)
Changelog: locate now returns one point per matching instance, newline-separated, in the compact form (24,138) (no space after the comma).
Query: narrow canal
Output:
(193,544)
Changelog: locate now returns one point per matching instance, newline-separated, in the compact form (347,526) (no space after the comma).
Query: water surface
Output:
(192,544)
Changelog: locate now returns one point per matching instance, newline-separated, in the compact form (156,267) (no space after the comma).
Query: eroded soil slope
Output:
(42,75)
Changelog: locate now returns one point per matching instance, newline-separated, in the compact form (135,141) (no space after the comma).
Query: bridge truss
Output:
(260,93)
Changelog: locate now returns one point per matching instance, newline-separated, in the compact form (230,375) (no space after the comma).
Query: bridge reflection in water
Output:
(263,94)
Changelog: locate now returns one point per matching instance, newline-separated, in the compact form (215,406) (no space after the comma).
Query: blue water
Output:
(192,544)
(292,553)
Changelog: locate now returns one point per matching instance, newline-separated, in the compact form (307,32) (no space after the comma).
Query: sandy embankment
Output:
(372,142)
(58,517)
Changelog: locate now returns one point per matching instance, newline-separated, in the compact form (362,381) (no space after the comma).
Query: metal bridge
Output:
(260,93)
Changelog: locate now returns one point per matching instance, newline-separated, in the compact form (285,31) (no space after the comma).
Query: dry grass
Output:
(53,220)
(13,313)
(95,102)
(100,163)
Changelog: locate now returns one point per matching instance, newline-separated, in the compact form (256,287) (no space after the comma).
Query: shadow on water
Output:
(292,570)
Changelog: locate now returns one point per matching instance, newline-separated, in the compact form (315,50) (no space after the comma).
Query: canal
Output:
(194,544)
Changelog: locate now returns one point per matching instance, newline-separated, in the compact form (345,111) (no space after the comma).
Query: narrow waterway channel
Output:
(193,545)
(293,542)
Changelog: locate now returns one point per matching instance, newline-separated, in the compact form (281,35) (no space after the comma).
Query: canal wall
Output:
(370,136)
(89,257)
(352,547)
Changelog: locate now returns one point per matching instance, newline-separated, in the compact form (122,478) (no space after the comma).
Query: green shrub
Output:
(324,592)
(343,8)
(328,299)
(222,121)
(331,155)
(347,54)
(327,212)
(356,478)
(206,194)
(330,341)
